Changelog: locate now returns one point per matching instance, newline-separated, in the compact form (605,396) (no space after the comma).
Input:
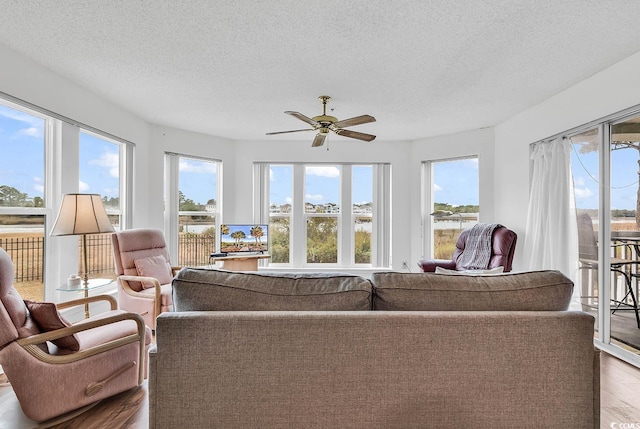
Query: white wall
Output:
(614,89)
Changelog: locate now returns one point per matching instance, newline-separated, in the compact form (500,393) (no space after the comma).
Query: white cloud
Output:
(197,167)
(580,190)
(34,125)
(323,171)
(436,188)
(289,200)
(314,197)
(38,184)
(271,178)
(31,132)
(109,192)
(582,193)
(83,186)
(109,160)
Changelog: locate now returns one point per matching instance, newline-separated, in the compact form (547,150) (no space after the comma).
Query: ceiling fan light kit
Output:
(326,123)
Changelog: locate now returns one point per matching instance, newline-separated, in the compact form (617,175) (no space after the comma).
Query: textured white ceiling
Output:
(421,67)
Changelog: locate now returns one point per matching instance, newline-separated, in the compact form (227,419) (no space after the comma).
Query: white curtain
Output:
(552,233)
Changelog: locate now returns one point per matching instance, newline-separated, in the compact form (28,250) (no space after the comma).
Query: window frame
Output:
(61,172)
(381,214)
(428,200)
(172,200)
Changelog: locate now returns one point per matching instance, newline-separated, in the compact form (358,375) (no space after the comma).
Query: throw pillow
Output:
(47,317)
(491,272)
(156,267)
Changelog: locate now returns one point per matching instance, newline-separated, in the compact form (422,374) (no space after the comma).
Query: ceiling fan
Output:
(325,123)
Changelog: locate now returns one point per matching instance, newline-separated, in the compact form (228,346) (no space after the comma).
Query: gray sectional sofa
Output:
(402,350)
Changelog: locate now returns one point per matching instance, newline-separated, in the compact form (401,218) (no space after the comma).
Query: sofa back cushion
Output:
(214,290)
(525,291)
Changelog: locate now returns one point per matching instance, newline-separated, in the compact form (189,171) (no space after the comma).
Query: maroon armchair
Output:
(503,242)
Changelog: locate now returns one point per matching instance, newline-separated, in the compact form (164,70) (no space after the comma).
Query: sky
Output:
(322,184)
(624,178)
(455,182)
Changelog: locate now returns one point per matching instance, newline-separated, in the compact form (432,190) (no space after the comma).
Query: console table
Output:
(239,262)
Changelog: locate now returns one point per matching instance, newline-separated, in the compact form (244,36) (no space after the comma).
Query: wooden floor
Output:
(620,403)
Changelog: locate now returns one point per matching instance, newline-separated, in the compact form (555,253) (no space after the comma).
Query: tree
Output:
(188,205)
(322,240)
(257,233)
(238,236)
(279,235)
(10,196)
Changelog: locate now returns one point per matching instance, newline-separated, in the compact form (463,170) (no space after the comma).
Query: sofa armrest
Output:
(429,265)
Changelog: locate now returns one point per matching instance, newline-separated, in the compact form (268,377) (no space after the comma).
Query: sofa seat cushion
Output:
(524,291)
(217,290)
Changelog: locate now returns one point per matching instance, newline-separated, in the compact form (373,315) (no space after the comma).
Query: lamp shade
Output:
(81,214)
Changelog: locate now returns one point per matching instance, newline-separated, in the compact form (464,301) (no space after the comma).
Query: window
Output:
(452,203)
(280,210)
(361,212)
(23,143)
(325,214)
(606,191)
(321,213)
(192,190)
(43,152)
(99,173)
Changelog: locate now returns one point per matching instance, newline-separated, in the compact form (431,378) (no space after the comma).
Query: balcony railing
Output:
(27,254)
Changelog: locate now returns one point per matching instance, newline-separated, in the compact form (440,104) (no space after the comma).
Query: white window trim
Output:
(61,172)
(381,214)
(172,204)
(427,206)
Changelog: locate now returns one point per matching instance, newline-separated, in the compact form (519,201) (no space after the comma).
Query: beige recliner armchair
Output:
(144,272)
(54,371)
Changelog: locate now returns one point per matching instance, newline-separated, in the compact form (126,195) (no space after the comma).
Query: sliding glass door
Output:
(605,167)
(624,151)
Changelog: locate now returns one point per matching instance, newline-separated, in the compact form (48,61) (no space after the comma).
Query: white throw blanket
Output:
(477,250)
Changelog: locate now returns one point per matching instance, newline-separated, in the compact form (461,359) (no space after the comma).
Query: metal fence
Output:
(27,254)
(194,249)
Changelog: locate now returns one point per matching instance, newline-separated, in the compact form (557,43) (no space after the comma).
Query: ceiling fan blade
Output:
(356,135)
(319,140)
(364,119)
(302,117)
(292,131)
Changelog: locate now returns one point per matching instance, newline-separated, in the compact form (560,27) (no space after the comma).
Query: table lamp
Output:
(82,214)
